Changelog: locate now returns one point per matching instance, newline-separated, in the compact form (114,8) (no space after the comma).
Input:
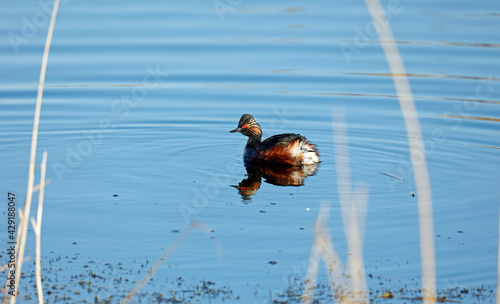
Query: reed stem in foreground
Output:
(23,224)
(323,249)
(417,151)
(353,207)
(37,227)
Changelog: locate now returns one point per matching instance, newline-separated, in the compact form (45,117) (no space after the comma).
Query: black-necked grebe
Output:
(291,149)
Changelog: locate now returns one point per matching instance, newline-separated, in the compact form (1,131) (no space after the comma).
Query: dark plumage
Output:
(289,148)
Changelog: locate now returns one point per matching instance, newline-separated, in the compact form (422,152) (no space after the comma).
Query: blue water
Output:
(139,99)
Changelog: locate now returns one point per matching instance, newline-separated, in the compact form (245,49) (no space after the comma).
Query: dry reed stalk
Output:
(23,224)
(171,249)
(323,249)
(37,227)
(353,207)
(417,151)
(355,247)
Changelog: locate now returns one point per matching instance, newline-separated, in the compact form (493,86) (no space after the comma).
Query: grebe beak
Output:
(235,130)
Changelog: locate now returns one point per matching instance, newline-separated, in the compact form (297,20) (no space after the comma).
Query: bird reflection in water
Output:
(275,174)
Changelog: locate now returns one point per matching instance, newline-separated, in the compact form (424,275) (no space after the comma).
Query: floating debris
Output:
(323,293)
(387,295)
(106,282)
(401,179)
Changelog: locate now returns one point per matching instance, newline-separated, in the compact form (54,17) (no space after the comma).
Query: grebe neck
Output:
(254,140)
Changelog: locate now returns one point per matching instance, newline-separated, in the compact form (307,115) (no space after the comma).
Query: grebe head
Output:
(248,126)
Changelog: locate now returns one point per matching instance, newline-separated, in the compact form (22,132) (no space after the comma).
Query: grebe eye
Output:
(244,126)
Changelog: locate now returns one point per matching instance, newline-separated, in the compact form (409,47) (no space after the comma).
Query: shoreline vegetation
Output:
(99,282)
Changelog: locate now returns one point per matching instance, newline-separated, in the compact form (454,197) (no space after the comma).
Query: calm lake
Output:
(139,99)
